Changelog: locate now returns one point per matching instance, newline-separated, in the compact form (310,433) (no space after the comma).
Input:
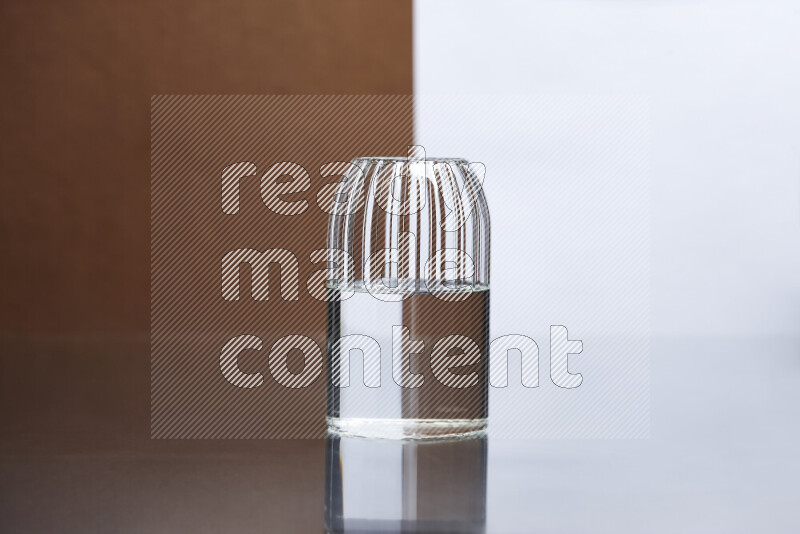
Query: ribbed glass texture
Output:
(410,240)
(405,218)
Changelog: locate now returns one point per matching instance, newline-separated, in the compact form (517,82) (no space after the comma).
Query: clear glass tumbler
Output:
(408,310)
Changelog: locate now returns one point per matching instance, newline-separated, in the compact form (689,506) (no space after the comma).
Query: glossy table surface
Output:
(722,457)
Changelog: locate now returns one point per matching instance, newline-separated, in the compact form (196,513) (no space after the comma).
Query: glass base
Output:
(416,429)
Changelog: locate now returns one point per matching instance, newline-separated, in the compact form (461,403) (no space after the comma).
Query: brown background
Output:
(77,82)
(74,361)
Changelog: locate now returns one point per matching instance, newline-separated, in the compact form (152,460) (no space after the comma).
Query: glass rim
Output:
(405,159)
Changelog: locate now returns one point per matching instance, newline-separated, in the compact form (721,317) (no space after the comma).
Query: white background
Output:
(723,83)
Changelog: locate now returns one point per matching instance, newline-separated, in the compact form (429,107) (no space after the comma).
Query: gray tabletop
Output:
(722,457)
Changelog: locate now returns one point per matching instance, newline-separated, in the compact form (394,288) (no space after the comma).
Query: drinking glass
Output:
(408,299)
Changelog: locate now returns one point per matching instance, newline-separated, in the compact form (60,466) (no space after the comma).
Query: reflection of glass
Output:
(408,321)
(396,486)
